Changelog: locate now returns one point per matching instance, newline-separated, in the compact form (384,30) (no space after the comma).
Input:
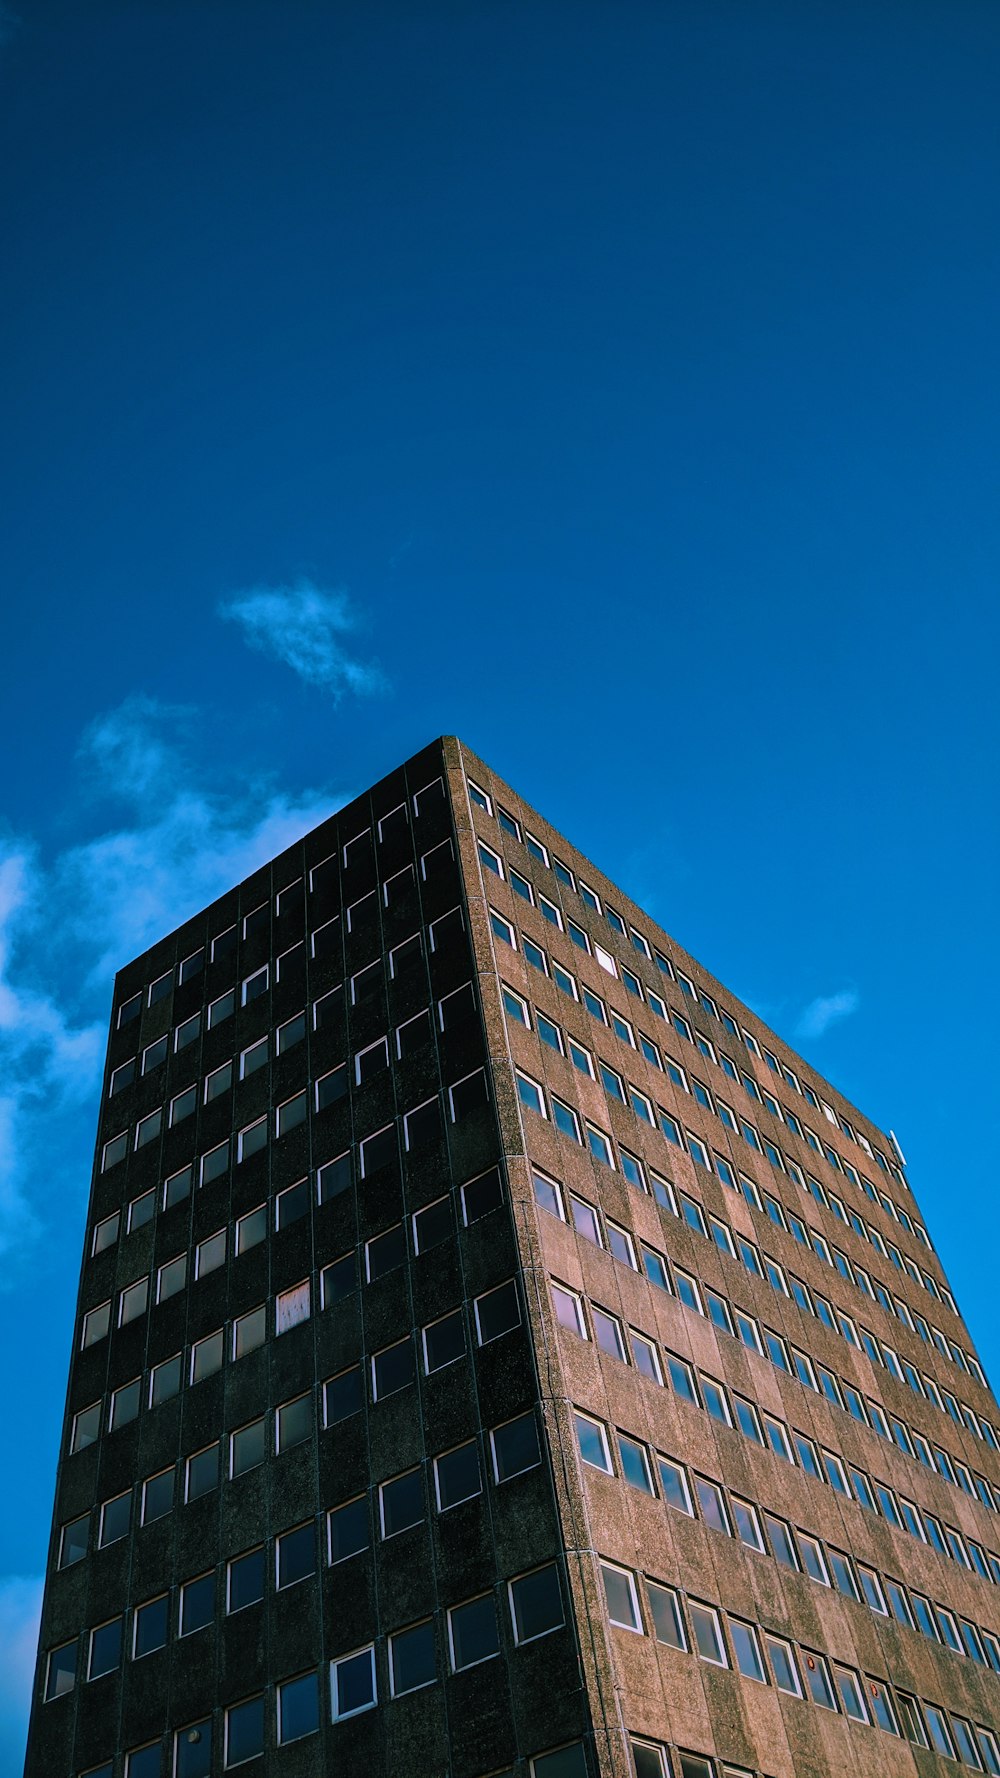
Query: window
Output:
(125,1401)
(814,1561)
(851,1693)
(157,1495)
(294,1421)
(177,1187)
(298,1708)
(593,1443)
(150,1626)
(106,1233)
(221,1009)
(352,1683)
(247,1448)
(645,1357)
(73,1541)
(286,1037)
(444,1341)
(472,1632)
(377,1151)
(244,1731)
(96,1323)
(254,986)
(422,1126)
(392,1369)
(747,1524)
(187,1032)
(202,1472)
(183,1106)
(783,1666)
(412,1661)
(536,1603)
(635,1464)
(497,1311)
(210,1254)
(291,1307)
(60,1672)
(197,1604)
(608,1335)
(515,1447)
(250,1229)
(347,1529)
(129,1010)
(148,1128)
(682,1379)
(621,1597)
(746,1648)
(338,1280)
(116,1517)
(467,1095)
(818,1681)
(245,1580)
(712,1505)
(291,1203)
(215,1162)
(674,1485)
(782,1547)
(708,1634)
(295,1555)
(457,1476)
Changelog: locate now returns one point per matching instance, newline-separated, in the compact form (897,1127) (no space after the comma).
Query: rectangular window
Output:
(708,1634)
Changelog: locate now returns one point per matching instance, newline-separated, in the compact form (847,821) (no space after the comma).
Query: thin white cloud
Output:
(826,1010)
(304,626)
(182,838)
(20,1610)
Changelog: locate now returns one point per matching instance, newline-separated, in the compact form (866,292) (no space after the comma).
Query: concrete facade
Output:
(539,1369)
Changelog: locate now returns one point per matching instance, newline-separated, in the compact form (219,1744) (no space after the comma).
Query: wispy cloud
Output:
(180,837)
(20,1610)
(826,1010)
(305,626)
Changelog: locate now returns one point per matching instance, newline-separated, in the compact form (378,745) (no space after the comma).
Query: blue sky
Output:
(614,386)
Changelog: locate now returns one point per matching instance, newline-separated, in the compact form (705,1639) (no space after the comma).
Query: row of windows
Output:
(564,1117)
(288,965)
(421,1128)
(400,1506)
(297,1714)
(496,1311)
(382,1253)
(647,1608)
(650,1759)
(457,1477)
(289,901)
(364,985)
(641,945)
(473,1634)
(406,1039)
(328,1090)
(744,1128)
(589,1223)
(762,1429)
(552,1034)
(765,1532)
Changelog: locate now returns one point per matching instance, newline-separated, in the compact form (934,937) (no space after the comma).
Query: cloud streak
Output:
(826,1010)
(305,627)
(180,838)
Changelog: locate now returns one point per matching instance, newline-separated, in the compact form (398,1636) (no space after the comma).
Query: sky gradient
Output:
(614,386)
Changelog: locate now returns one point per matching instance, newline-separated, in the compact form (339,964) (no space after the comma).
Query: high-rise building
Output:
(498,1353)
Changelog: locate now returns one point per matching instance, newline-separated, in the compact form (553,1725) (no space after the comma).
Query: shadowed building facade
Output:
(497,1353)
